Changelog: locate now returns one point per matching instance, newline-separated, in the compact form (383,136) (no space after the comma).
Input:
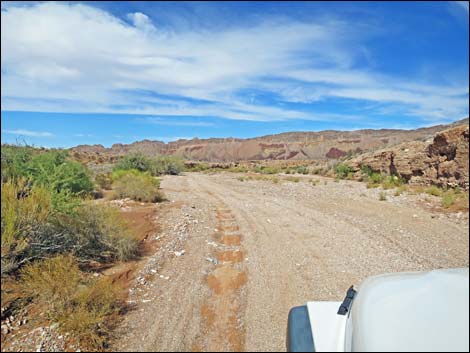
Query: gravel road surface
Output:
(234,256)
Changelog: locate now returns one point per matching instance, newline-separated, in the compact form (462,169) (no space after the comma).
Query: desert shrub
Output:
(317,171)
(366,171)
(82,306)
(119,173)
(37,223)
(293,179)
(375,179)
(49,169)
(198,167)
(302,170)
(134,161)
(342,170)
(238,169)
(382,196)
(22,219)
(104,181)
(434,190)
(98,233)
(400,189)
(73,177)
(392,181)
(14,160)
(171,165)
(140,187)
(315,182)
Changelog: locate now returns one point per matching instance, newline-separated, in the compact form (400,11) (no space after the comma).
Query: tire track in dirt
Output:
(222,312)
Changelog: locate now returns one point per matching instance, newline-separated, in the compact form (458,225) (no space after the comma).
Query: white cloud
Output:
(20,132)
(62,57)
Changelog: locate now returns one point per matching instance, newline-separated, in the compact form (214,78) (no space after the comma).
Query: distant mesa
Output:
(329,144)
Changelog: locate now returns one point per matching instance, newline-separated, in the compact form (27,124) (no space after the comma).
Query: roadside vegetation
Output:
(51,231)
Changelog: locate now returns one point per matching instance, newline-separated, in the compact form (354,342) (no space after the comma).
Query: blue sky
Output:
(107,72)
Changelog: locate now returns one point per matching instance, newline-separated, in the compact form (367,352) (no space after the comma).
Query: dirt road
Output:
(253,249)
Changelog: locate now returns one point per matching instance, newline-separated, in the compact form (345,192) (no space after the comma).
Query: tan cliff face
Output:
(286,146)
(442,160)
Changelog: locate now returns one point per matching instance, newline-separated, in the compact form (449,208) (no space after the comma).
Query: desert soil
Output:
(232,257)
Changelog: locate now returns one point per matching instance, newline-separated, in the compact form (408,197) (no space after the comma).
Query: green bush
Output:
(343,170)
(49,169)
(434,190)
(14,160)
(134,161)
(366,170)
(104,181)
(171,165)
(119,173)
(37,223)
(392,181)
(72,176)
(140,187)
(302,170)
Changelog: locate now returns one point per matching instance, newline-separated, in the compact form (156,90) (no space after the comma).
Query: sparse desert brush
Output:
(315,182)
(82,305)
(266,170)
(375,180)
(33,227)
(24,216)
(171,165)
(399,190)
(392,181)
(134,161)
(434,190)
(382,196)
(104,181)
(98,233)
(293,179)
(455,199)
(302,170)
(238,169)
(343,170)
(138,186)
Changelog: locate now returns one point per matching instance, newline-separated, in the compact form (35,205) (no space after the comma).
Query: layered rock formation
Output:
(328,144)
(442,160)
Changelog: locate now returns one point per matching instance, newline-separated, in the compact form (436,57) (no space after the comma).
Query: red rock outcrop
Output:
(442,161)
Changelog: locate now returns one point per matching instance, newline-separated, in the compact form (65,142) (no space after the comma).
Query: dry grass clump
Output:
(382,196)
(82,305)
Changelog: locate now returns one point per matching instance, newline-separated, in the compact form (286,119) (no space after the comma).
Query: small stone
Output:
(5,330)
(179,253)
(214,261)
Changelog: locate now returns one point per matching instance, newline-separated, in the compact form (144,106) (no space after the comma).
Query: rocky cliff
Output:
(442,160)
(328,144)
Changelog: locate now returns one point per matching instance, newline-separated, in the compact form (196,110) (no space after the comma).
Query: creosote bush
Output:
(137,186)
